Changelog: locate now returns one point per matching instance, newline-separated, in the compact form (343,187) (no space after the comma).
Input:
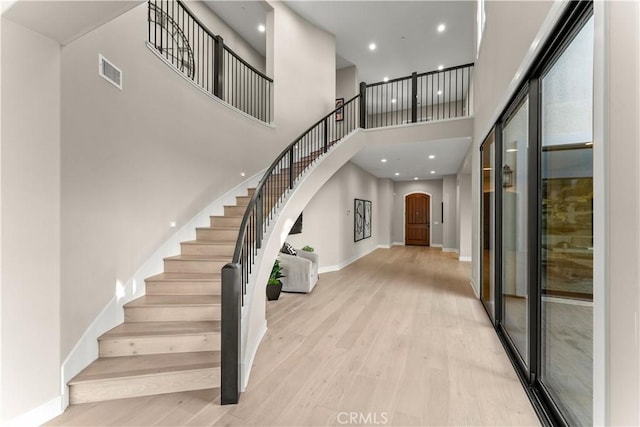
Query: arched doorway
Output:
(417,219)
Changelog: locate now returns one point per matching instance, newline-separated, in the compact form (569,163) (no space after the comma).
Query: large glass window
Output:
(488,155)
(567,229)
(515,279)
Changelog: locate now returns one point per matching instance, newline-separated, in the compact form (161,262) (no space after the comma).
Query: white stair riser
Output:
(195,266)
(183,288)
(171,382)
(216,234)
(132,346)
(172,314)
(204,249)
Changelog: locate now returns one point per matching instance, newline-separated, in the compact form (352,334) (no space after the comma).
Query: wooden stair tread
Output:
(155,329)
(174,300)
(185,277)
(219,227)
(209,242)
(198,257)
(114,368)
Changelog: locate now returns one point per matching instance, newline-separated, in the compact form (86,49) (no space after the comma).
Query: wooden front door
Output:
(417,220)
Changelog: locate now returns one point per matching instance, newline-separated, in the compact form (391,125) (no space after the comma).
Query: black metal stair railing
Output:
(278,181)
(434,95)
(431,96)
(184,41)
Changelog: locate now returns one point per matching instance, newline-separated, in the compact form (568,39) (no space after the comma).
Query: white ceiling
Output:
(73,19)
(412,159)
(405,33)
(244,17)
(407,40)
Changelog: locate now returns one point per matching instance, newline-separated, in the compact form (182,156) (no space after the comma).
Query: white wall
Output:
(347,83)
(301,59)
(450,207)
(328,218)
(464,215)
(30,201)
(403,188)
(617,187)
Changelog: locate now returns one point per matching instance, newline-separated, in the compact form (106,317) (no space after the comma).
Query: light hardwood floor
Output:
(396,338)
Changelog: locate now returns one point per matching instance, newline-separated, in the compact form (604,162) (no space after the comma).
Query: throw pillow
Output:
(288,249)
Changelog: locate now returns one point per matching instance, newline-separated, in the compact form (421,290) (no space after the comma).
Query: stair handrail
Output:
(308,147)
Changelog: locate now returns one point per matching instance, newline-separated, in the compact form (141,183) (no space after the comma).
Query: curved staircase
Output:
(170,340)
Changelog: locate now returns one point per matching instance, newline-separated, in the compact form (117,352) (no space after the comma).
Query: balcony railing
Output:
(435,95)
(184,41)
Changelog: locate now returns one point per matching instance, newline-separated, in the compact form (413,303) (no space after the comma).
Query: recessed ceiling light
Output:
(432,156)
(393,101)
(440,67)
(441,28)
(439,92)
(261,28)
(415,178)
(372,46)
(386,79)
(242,174)
(383,160)
(397,173)
(433,171)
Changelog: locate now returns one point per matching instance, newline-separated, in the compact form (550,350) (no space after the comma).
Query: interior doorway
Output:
(417,219)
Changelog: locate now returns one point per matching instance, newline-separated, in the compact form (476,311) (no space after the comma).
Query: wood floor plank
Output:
(398,332)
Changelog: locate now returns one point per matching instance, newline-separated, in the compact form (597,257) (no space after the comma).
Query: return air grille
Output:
(109,72)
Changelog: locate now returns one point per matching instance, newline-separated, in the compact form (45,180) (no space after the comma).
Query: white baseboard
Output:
(247,363)
(397,244)
(476,289)
(464,258)
(39,415)
(338,267)
(436,245)
(85,350)
(454,250)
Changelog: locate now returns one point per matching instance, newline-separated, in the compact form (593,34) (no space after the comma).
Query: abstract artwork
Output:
(361,219)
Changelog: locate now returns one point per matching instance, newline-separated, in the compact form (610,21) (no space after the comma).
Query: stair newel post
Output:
(363,105)
(414,97)
(230,335)
(218,69)
(326,134)
(259,219)
(291,168)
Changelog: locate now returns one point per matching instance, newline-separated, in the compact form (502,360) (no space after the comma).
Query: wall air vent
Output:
(109,72)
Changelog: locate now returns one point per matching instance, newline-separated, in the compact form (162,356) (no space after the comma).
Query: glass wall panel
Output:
(567,229)
(515,280)
(488,155)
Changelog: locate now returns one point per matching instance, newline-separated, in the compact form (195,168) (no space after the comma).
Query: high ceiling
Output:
(405,34)
(407,40)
